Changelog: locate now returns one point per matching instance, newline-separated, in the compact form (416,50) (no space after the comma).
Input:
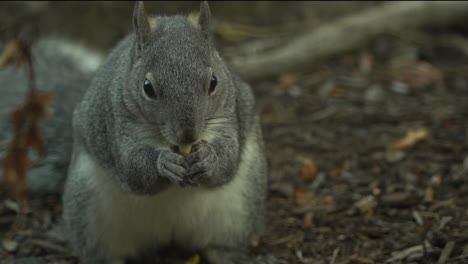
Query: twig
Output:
(48,245)
(335,254)
(446,252)
(346,34)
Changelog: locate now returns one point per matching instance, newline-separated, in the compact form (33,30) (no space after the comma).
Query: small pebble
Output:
(10,245)
(399,87)
(374,94)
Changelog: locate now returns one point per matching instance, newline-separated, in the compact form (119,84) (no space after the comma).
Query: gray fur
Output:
(65,70)
(128,191)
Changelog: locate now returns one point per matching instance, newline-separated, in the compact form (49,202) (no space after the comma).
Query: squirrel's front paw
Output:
(171,166)
(201,164)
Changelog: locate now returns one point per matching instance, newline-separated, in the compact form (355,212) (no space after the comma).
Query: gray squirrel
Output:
(167,150)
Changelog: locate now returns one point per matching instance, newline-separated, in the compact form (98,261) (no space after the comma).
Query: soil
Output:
(344,188)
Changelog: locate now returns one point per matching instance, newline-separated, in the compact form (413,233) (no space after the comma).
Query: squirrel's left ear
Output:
(141,26)
(204,19)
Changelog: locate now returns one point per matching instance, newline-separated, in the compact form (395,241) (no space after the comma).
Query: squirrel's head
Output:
(177,79)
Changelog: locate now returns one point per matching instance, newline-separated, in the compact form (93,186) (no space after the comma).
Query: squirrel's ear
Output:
(204,19)
(141,25)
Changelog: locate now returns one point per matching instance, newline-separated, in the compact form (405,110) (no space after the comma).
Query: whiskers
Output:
(218,120)
(214,126)
(164,130)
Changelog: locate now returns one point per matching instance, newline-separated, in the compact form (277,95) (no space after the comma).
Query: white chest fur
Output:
(194,217)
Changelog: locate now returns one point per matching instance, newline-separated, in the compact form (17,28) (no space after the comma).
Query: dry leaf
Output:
(12,54)
(366,204)
(255,242)
(309,170)
(418,74)
(304,198)
(335,172)
(328,200)
(366,62)
(286,82)
(308,219)
(338,91)
(26,125)
(412,137)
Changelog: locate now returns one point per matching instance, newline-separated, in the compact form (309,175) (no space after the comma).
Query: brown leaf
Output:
(328,200)
(335,172)
(338,91)
(412,137)
(26,125)
(308,219)
(12,54)
(309,170)
(15,167)
(286,82)
(304,198)
(366,204)
(366,62)
(418,74)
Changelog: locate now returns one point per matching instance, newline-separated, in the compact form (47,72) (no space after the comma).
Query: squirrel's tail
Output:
(65,70)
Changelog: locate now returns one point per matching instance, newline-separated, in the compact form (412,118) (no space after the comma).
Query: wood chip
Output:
(417,217)
(335,254)
(411,138)
(429,194)
(446,252)
(12,205)
(309,170)
(355,259)
(409,252)
(46,244)
(366,204)
(399,199)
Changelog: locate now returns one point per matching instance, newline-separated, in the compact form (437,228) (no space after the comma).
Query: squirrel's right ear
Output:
(204,19)
(141,26)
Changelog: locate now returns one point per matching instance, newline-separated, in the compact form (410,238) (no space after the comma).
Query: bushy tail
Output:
(64,69)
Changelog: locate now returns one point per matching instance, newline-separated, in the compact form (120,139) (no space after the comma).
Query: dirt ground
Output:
(339,193)
(367,156)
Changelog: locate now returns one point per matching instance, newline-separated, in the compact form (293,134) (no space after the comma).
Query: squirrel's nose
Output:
(187,136)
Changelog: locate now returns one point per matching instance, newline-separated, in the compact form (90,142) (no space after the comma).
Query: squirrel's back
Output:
(64,69)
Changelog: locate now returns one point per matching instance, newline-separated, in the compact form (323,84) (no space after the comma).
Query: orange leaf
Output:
(304,198)
(335,172)
(26,125)
(309,170)
(412,137)
(308,219)
(338,91)
(286,82)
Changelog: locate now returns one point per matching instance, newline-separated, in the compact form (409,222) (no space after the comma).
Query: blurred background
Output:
(101,23)
(364,106)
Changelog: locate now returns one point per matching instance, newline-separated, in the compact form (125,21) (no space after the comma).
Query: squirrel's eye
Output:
(148,89)
(213,84)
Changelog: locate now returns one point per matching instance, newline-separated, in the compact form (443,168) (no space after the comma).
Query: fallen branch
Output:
(346,34)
